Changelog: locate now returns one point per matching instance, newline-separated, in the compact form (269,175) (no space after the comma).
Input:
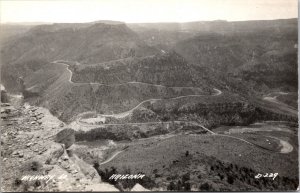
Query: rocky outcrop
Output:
(4,97)
(138,188)
(53,153)
(29,149)
(66,137)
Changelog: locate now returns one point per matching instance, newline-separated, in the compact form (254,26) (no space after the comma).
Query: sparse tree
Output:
(230,179)
(171,186)
(204,187)
(187,153)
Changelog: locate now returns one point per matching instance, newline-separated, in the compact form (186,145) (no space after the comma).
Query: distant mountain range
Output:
(251,58)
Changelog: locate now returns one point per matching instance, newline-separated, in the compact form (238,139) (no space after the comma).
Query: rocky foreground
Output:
(31,147)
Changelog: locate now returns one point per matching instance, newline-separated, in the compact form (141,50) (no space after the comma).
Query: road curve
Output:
(126,113)
(273,99)
(286,147)
(111,158)
(120,84)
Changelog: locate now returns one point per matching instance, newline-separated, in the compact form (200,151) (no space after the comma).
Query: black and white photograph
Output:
(149,95)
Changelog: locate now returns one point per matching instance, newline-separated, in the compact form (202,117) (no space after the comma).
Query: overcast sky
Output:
(145,10)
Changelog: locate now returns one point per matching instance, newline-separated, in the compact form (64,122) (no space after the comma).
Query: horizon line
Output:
(95,21)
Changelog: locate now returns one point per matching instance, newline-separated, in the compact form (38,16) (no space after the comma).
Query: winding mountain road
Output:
(111,158)
(272,97)
(120,84)
(126,113)
(286,147)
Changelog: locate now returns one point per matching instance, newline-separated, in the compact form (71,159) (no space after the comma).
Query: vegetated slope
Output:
(166,35)
(239,62)
(165,39)
(221,26)
(254,61)
(185,114)
(95,43)
(9,31)
(12,75)
(291,99)
(47,77)
(169,69)
(210,111)
(51,85)
(199,157)
(248,57)
(226,109)
(78,99)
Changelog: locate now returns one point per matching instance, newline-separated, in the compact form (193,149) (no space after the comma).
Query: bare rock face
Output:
(139,188)
(53,153)
(101,187)
(88,171)
(4,97)
(66,137)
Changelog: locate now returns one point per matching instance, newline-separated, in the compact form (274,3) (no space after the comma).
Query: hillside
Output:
(112,87)
(85,44)
(249,62)
(29,149)
(111,69)
(252,58)
(221,162)
(46,43)
(166,35)
(169,69)
(197,106)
